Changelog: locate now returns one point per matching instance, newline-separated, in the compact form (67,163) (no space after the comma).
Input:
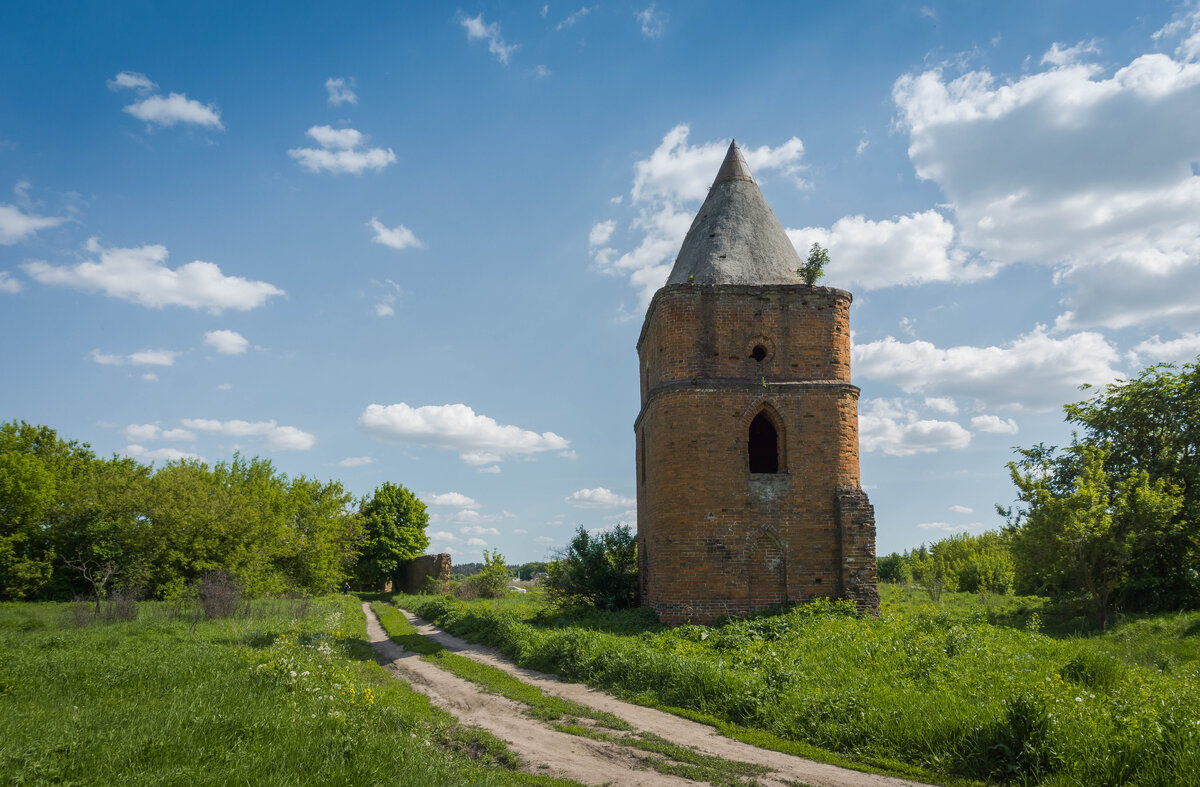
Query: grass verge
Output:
(287,694)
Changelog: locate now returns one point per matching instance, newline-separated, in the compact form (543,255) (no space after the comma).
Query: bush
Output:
(597,570)
(220,595)
(491,582)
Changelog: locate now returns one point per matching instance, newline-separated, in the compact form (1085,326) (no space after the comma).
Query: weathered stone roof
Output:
(735,238)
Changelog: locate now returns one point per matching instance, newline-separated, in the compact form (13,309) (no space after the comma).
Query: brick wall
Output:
(416,573)
(715,538)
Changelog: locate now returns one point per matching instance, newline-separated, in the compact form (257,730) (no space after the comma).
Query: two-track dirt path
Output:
(548,751)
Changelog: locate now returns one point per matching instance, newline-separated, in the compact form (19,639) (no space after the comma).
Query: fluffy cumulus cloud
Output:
(145,433)
(599,498)
(479,30)
(165,454)
(170,110)
(173,109)
(17,226)
(1076,166)
(226,342)
(894,428)
(1037,371)
(452,499)
(913,249)
(139,358)
(356,461)
(994,424)
(8,284)
(140,275)
(478,439)
(1185,349)
(340,91)
(398,237)
(475,530)
(272,435)
(343,150)
(668,187)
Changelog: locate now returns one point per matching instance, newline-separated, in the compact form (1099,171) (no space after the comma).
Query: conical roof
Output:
(735,238)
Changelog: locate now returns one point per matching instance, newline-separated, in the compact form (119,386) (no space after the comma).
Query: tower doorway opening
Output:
(763,445)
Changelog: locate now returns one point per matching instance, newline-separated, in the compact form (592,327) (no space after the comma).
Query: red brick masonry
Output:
(714,538)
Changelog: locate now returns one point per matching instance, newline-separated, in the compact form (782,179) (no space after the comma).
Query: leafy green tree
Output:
(814,266)
(491,581)
(394,522)
(597,570)
(1114,515)
(526,571)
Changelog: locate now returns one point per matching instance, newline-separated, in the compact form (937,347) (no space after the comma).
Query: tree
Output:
(394,523)
(814,266)
(597,570)
(1114,515)
(489,582)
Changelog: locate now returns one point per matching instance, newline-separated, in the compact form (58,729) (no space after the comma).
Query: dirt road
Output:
(547,751)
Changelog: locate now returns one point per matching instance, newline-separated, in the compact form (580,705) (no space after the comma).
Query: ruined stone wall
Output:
(415,574)
(715,538)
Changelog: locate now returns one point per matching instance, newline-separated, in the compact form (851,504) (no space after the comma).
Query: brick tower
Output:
(747,440)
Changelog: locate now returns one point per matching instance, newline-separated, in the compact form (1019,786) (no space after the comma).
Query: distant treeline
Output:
(70,519)
(522,571)
(964,562)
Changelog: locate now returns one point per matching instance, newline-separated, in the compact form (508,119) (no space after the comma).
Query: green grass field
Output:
(286,694)
(969,687)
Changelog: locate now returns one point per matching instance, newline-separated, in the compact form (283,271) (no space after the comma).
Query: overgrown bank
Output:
(955,695)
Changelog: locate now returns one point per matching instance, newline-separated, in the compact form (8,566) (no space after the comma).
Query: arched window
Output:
(763,445)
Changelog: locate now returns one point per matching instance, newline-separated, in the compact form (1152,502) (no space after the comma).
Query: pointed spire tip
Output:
(734,167)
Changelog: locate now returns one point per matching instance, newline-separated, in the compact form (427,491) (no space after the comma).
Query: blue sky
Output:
(414,243)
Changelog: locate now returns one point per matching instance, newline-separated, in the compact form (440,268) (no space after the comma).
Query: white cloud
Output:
(16,226)
(994,424)
(944,405)
(356,461)
(477,29)
(889,426)
(601,232)
(652,21)
(386,293)
(456,427)
(175,108)
(453,499)
(340,92)
(8,284)
(144,433)
(961,510)
(226,342)
(475,530)
(575,17)
(1041,169)
(341,151)
(861,147)
(974,526)
(158,454)
(225,387)
(541,71)
(598,498)
(490,469)
(332,138)
(139,358)
(918,248)
(1034,372)
(1185,349)
(442,535)
(139,275)
(1059,55)
(132,80)
(274,437)
(518,531)
(544,539)
(667,189)
(150,377)
(399,237)
(476,542)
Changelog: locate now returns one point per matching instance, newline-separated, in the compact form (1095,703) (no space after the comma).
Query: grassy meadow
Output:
(972,687)
(283,692)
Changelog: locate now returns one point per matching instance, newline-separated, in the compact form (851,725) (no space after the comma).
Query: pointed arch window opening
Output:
(763,445)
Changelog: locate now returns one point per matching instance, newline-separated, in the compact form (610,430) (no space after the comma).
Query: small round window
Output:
(759,353)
